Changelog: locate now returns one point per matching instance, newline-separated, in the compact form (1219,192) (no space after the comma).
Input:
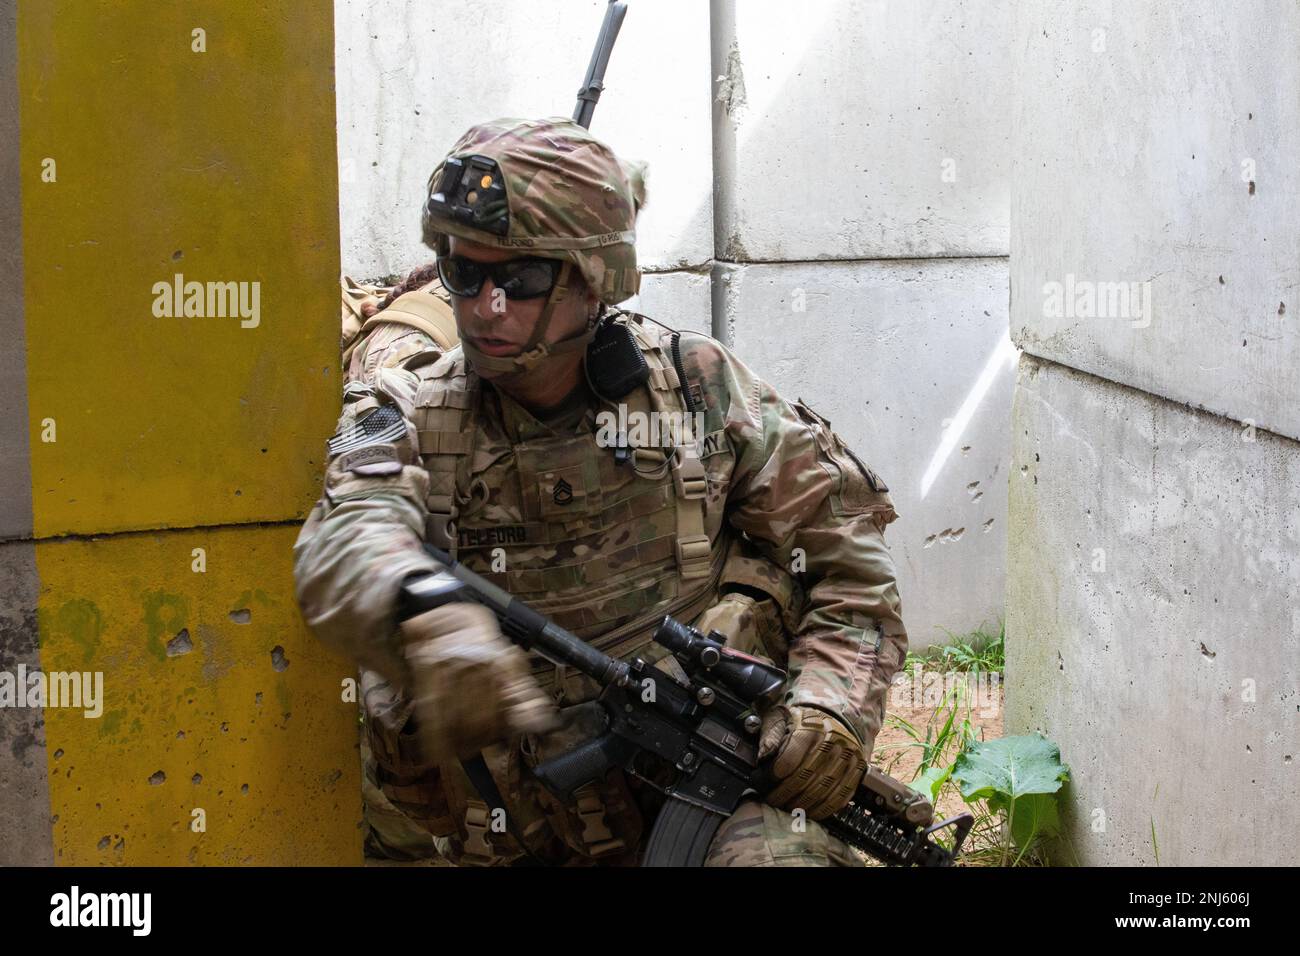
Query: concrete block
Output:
(1152,623)
(911,363)
(148,162)
(1156,195)
(215,698)
(861,129)
(15,463)
(680,300)
(25,827)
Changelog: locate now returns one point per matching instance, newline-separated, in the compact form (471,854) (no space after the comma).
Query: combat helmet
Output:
(548,188)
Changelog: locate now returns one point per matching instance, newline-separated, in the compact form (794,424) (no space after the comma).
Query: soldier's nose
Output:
(489,303)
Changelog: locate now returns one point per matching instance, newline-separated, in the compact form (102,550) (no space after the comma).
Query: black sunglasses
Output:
(528,277)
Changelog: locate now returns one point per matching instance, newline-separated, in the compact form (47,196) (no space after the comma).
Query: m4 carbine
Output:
(706,729)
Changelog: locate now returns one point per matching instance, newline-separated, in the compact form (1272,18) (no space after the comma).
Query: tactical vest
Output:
(604,548)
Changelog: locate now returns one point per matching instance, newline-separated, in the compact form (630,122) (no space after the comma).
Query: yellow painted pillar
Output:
(170,319)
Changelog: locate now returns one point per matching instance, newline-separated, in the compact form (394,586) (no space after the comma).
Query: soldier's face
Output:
(500,326)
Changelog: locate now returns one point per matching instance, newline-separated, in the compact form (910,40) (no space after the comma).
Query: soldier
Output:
(382,327)
(749,515)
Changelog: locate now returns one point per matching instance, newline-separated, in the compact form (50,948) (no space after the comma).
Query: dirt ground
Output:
(893,754)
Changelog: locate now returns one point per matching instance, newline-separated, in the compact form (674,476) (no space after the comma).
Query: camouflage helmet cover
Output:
(567,196)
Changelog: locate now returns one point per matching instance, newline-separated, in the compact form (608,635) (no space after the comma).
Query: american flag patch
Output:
(383,425)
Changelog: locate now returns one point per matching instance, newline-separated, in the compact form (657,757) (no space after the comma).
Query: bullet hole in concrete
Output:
(241,616)
(1035,479)
(238,493)
(1287,759)
(177,256)
(103,842)
(196,779)
(1281,308)
(243,788)
(180,735)
(1251,188)
(263,451)
(965,449)
(928,541)
(1250,116)
(120,844)
(225,727)
(1036,458)
(1221,282)
(58,753)
(156,778)
(1024,469)
(257,699)
(1243,343)
(180,644)
(278,660)
(1060,663)
(1207,652)
(1248,750)
(988,526)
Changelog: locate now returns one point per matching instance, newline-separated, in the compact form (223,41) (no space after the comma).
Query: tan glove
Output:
(818,763)
(470,686)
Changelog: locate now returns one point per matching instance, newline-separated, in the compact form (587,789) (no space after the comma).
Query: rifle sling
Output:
(476,769)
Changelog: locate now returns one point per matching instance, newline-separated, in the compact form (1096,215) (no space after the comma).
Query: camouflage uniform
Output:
(431,450)
(387,338)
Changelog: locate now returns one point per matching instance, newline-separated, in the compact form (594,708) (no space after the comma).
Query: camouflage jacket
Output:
(786,483)
(386,344)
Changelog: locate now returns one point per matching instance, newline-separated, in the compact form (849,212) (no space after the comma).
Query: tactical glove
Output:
(470,686)
(817,761)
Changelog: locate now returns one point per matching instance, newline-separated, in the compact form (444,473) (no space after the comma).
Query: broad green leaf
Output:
(1035,816)
(1009,767)
(929,782)
(1018,776)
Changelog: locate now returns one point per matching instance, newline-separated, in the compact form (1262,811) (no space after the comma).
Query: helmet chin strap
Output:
(537,351)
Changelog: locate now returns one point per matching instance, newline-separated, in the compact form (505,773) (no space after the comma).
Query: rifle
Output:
(706,728)
(593,83)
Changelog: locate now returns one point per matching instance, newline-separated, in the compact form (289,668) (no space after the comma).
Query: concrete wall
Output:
(1154,556)
(860,132)
(157,464)
(787,155)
